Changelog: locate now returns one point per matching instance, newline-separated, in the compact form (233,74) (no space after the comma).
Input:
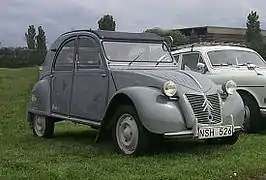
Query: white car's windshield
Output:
(131,51)
(235,57)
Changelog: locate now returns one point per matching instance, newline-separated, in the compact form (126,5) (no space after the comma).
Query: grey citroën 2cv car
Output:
(127,85)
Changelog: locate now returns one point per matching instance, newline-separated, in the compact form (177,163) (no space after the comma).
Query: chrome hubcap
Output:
(127,133)
(39,125)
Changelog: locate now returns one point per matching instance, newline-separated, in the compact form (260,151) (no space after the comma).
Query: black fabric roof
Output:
(115,35)
(127,35)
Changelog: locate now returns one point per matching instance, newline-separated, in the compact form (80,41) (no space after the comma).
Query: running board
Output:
(77,120)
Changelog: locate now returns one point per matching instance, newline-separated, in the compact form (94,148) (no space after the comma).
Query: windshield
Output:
(138,52)
(235,57)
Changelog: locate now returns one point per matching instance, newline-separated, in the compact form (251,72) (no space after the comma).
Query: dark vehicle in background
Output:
(127,85)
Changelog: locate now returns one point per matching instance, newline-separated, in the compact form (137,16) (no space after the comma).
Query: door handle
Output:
(77,66)
(103,75)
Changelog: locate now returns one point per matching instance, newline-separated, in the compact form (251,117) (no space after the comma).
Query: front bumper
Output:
(193,133)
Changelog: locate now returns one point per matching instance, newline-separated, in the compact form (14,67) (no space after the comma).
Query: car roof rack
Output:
(200,44)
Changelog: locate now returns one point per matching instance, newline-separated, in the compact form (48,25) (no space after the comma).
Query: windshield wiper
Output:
(136,57)
(160,60)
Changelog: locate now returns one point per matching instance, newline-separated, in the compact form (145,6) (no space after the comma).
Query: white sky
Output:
(58,16)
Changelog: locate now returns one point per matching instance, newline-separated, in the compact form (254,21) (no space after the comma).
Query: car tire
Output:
(252,122)
(129,135)
(42,126)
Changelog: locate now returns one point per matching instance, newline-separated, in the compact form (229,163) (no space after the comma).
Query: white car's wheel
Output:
(42,126)
(130,137)
(252,122)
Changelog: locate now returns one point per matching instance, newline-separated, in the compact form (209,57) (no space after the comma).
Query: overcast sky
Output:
(58,16)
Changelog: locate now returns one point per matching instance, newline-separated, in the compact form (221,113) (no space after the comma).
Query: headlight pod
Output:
(229,87)
(169,88)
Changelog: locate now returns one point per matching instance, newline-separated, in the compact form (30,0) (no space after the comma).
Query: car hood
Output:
(190,80)
(242,70)
(242,76)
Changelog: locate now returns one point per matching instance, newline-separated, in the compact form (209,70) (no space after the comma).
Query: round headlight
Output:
(229,87)
(169,88)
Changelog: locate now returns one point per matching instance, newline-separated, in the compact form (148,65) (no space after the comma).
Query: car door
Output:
(90,85)
(61,80)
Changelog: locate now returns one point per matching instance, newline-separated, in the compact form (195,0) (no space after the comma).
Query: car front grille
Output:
(197,101)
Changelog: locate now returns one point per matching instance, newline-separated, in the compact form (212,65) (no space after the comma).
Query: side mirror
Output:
(201,68)
(169,40)
(251,66)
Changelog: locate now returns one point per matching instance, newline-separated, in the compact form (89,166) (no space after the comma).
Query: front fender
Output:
(157,113)
(40,98)
(254,94)
(234,105)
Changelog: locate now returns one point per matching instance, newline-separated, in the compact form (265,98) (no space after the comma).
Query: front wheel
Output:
(42,126)
(129,135)
(252,121)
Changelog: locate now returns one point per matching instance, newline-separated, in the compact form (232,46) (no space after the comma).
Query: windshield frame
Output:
(234,65)
(137,42)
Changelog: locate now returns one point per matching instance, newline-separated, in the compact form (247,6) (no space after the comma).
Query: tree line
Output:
(34,53)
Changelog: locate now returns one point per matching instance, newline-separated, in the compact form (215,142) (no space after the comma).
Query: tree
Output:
(254,38)
(179,39)
(31,37)
(41,39)
(107,23)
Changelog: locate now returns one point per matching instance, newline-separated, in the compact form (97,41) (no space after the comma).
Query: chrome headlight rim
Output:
(169,88)
(229,87)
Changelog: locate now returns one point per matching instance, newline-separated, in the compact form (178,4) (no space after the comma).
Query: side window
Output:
(88,53)
(66,54)
(190,61)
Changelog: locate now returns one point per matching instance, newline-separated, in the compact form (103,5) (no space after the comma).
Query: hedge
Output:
(20,57)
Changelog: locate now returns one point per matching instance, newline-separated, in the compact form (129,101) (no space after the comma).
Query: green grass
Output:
(72,154)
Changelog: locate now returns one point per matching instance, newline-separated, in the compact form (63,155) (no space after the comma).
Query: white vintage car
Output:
(222,62)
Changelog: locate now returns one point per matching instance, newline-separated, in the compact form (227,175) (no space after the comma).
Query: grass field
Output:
(72,154)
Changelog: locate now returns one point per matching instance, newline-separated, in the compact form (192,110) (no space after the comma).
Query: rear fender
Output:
(40,98)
